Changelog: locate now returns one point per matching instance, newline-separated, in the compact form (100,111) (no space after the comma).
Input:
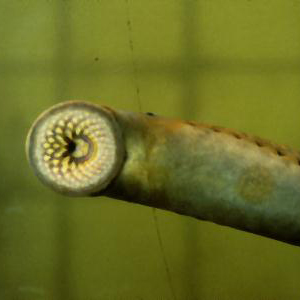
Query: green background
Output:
(229,63)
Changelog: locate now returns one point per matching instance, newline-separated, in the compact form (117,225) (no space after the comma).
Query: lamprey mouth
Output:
(75,147)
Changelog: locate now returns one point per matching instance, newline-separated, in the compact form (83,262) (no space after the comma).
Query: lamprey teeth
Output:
(75,147)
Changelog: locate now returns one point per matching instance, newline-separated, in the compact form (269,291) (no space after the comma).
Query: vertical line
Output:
(137,88)
(168,272)
(133,60)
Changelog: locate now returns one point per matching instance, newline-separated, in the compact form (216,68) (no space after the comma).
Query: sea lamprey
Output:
(203,171)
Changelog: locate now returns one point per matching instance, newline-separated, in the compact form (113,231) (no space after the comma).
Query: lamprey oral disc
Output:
(75,148)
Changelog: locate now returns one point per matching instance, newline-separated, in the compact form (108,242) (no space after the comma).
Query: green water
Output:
(231,63)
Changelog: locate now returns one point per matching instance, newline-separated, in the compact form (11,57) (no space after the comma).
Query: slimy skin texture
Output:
(202,171)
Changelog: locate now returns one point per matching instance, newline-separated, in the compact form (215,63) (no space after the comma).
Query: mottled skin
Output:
(211,174)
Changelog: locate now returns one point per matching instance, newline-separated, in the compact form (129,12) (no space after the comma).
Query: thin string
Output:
(133,61)
(139,103)
(168,272)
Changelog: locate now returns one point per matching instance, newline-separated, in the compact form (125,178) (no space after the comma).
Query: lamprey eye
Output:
(75,147)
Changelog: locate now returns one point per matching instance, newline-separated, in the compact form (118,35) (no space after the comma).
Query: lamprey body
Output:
(203,171)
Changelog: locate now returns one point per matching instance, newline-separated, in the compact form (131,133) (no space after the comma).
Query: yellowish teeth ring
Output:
(75,147)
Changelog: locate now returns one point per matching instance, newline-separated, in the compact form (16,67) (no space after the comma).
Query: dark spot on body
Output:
(151,114)
(259,143)
(191,123)
(237,135)
(216,129)
(279,152)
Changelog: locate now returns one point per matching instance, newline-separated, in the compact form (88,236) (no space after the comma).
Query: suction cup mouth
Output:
(76,148)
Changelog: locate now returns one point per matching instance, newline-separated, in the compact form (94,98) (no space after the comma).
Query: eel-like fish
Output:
(203,171)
